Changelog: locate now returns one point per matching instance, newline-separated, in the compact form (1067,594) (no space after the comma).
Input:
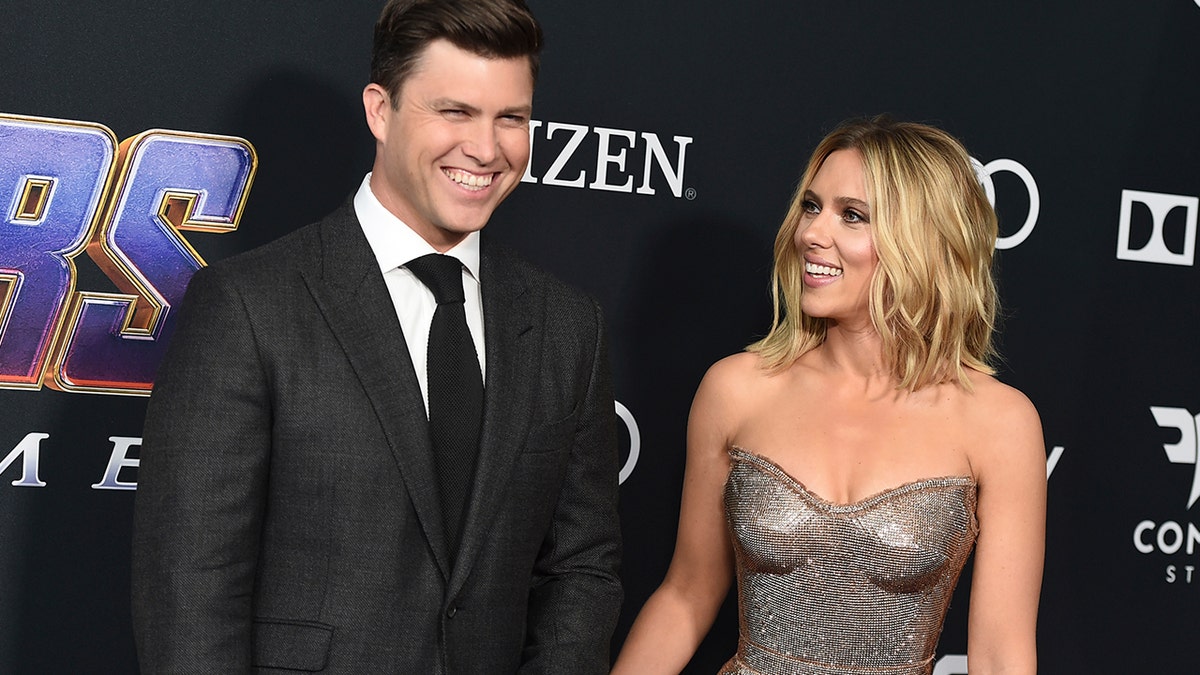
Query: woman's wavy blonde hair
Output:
(932,299)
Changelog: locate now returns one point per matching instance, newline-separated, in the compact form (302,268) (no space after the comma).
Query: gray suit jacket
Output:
(286,517)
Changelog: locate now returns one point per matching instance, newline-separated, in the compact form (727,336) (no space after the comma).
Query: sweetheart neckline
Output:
(865,502)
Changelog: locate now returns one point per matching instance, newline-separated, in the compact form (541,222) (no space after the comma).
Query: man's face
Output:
(455,145)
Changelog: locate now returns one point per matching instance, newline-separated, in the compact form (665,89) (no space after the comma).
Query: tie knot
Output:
(442,274)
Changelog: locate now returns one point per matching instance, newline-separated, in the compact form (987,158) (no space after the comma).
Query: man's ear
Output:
(376,104)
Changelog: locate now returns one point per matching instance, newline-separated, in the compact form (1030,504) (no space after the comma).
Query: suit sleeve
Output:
(576,594)
(201,489)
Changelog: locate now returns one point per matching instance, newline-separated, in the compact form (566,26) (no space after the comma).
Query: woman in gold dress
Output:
(843,467)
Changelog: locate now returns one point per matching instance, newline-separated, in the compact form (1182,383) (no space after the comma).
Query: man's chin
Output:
(461,230)
(467,222)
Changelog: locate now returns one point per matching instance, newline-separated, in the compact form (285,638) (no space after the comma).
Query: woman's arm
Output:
(678,615)
(1007,576)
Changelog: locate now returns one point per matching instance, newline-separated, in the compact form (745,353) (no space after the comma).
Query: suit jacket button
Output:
(451,612)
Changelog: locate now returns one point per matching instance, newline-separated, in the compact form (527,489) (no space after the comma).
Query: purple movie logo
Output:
(67,187)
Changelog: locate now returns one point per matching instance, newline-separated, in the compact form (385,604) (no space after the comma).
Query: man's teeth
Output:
(822,270)
(469,180)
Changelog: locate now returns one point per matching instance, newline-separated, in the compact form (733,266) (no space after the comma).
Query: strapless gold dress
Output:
(843,589)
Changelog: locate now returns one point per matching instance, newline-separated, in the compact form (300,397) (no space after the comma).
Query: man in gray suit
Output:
(299,506)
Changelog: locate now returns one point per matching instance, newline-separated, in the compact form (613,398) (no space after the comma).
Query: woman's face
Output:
(834,239)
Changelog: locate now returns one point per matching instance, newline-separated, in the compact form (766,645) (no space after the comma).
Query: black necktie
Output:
(455,388)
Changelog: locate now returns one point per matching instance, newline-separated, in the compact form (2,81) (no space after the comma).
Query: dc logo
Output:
(1155,250)
(984,173)
(1185,451)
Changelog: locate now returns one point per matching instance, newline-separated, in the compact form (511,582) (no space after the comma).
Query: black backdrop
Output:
(1084,115)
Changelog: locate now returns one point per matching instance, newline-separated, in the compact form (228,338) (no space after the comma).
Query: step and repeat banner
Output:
(667,139)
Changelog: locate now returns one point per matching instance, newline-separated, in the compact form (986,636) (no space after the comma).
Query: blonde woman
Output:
(844,466)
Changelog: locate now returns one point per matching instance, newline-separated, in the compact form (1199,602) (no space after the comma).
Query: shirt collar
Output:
(394,243)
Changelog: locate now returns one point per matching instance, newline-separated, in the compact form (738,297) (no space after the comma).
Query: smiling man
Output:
(383,444)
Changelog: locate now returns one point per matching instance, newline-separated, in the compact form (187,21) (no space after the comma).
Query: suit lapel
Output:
(510,338)
(350,292)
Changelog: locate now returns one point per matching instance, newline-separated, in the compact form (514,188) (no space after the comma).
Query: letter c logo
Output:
(635,442)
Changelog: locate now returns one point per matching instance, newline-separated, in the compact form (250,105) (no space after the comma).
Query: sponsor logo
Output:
(1183,452)
(24,461)
(1160,206)
(951,664)
(68,187)
(611,160)
(1056,454)
(27,455)
(635,442)
(984,173)
(1172,537)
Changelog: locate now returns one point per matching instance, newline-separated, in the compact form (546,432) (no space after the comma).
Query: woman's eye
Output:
(810,206)
(852,216)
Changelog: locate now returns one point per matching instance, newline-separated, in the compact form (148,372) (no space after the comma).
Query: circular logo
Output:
(635,441)
(984,173)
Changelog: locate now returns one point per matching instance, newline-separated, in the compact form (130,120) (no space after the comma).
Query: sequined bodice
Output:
(843,589)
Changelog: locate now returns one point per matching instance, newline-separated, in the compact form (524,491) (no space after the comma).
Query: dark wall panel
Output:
(1078,111)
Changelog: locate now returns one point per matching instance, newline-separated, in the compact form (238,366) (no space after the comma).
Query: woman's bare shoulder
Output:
(736,369)
(1005,421)
(731,386)
(1001,403)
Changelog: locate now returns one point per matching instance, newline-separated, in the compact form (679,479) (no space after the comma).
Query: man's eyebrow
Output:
(443,103)
(525,110)
(454,104)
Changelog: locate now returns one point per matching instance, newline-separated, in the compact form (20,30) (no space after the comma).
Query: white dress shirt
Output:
(394,244)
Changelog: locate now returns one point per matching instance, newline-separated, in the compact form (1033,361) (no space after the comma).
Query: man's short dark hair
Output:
(490,28)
